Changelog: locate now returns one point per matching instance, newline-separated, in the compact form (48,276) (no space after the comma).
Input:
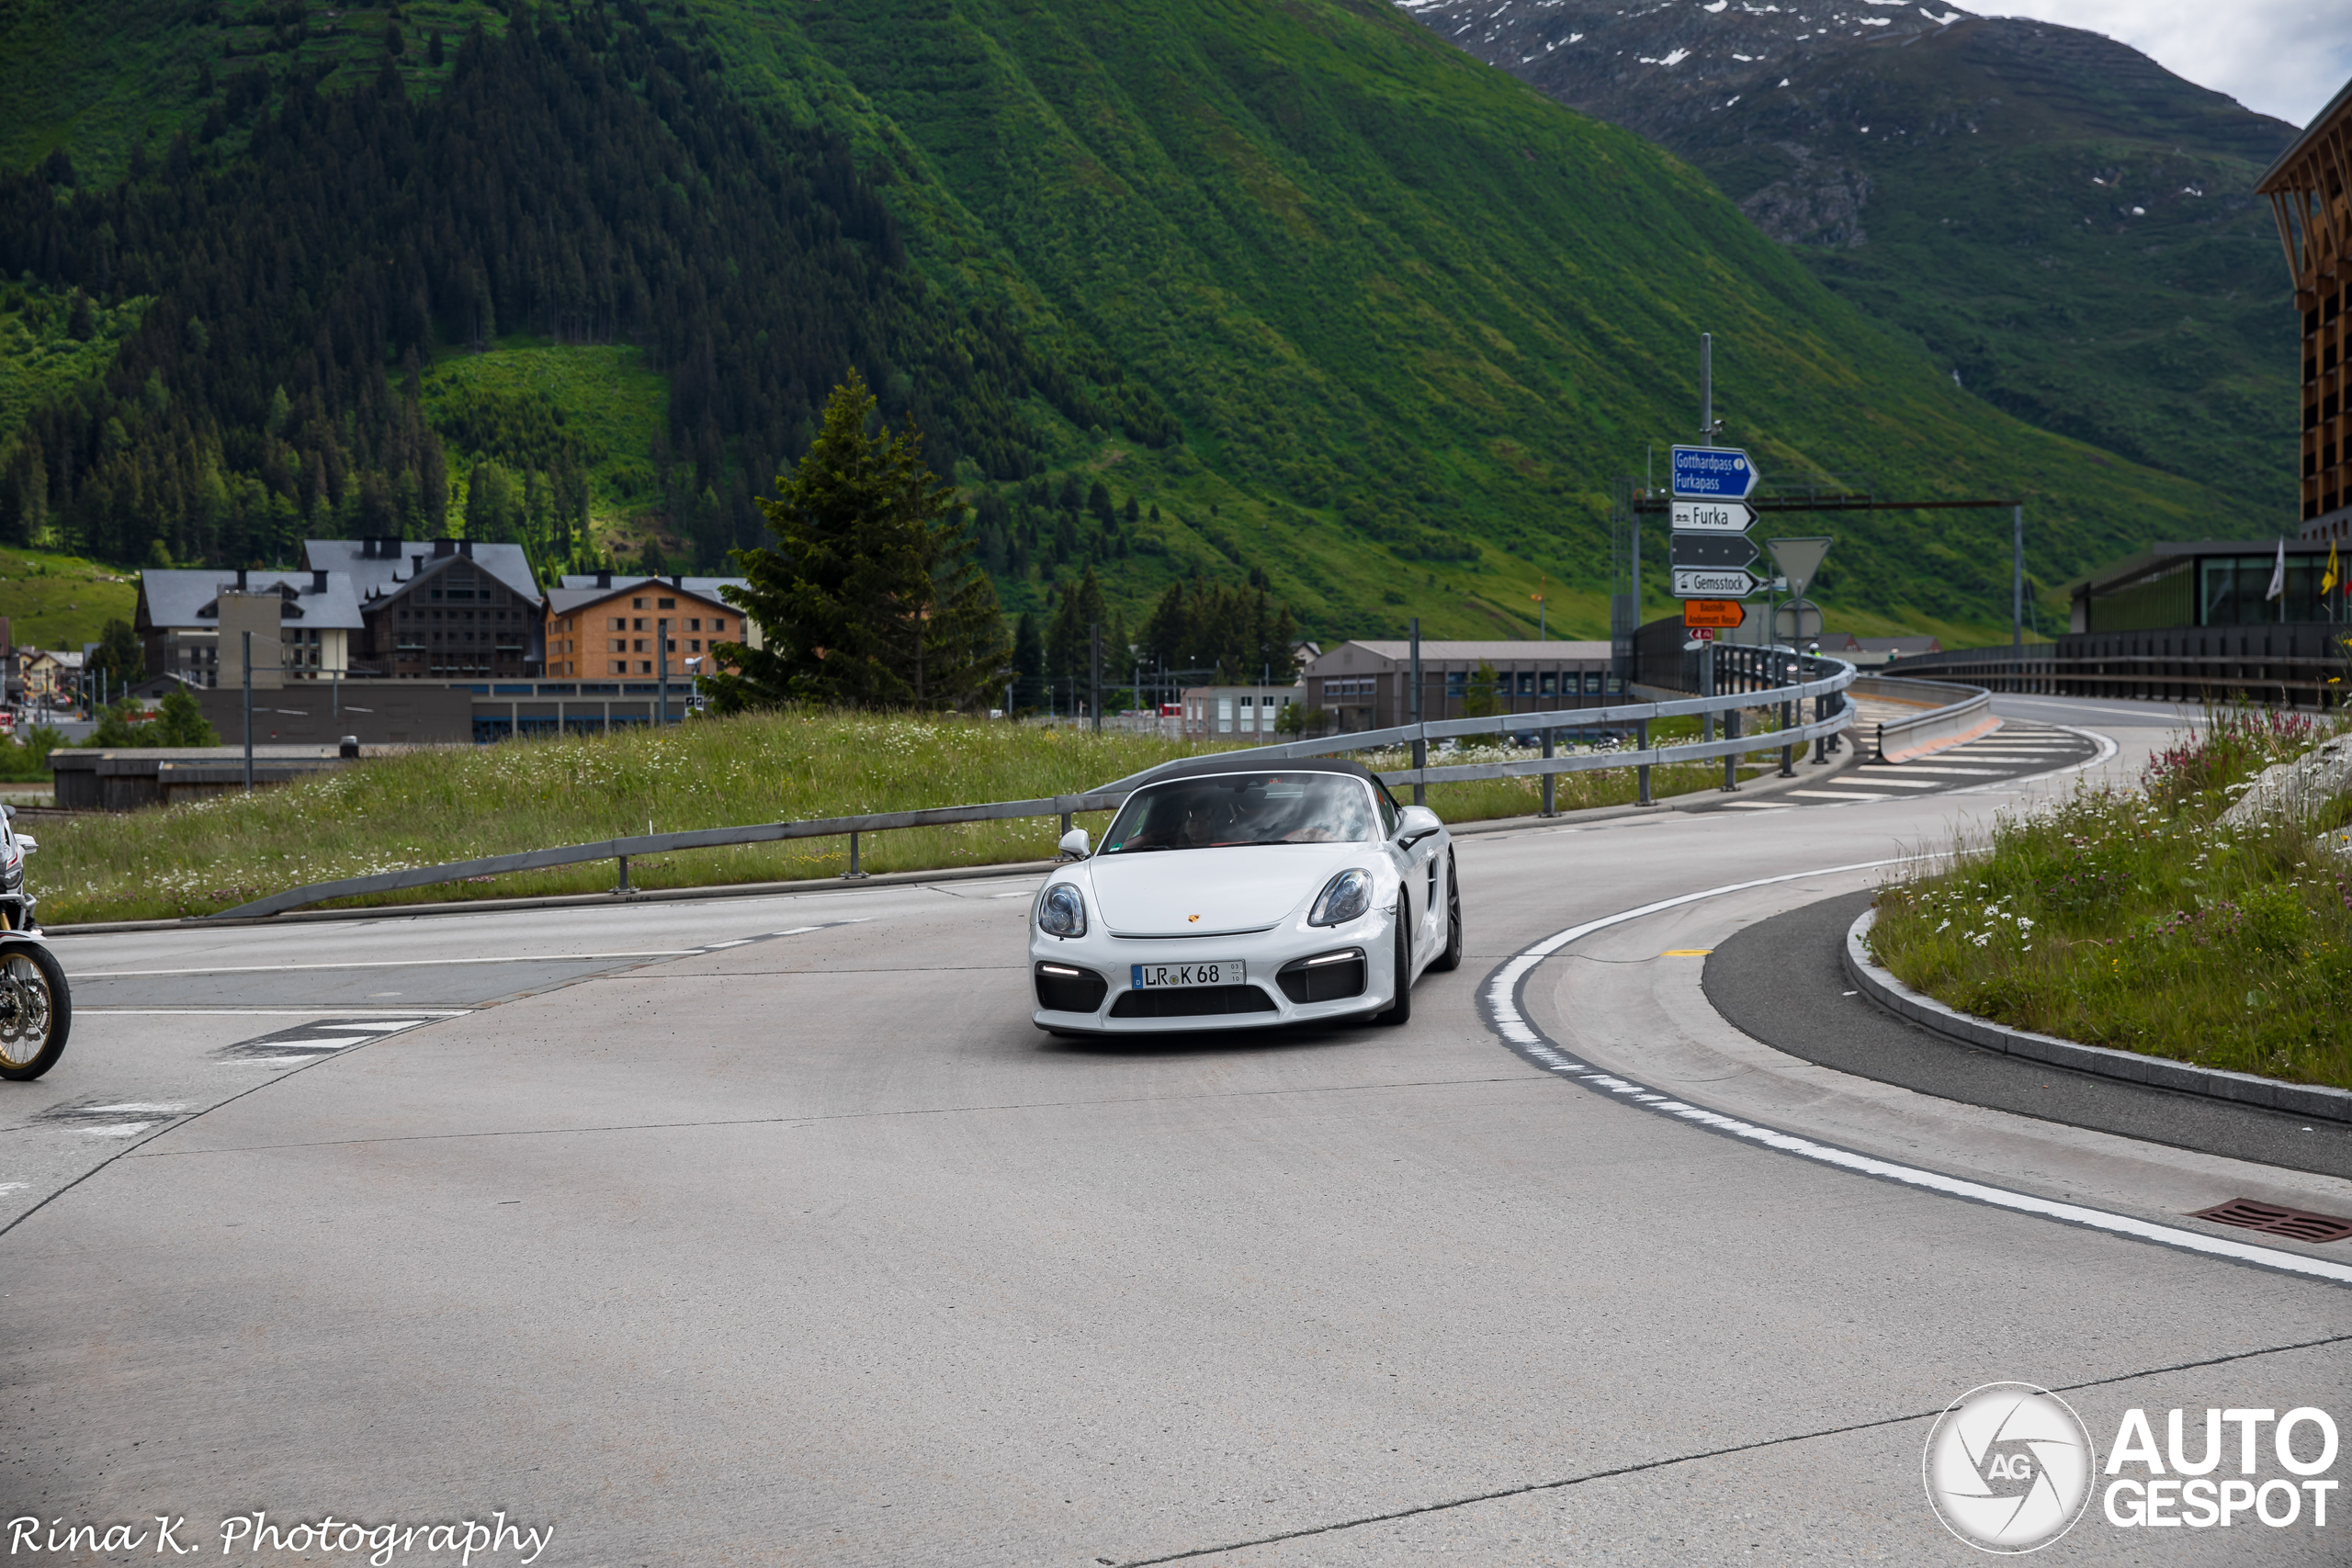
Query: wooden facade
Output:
(2310,189)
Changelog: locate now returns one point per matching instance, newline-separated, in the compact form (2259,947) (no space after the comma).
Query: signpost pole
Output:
(1421,746)
(1707,689)
(1642,774)
(248,672)
(2016,580)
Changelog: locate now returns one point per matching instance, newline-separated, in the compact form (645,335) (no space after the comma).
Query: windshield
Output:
(1243,808)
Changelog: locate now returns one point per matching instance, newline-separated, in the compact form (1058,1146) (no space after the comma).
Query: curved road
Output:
(769,1231)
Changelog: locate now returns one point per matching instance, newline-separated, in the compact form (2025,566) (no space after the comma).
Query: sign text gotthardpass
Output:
(1712,473)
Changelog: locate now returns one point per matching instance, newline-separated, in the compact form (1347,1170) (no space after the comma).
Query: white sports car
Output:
(1234,895)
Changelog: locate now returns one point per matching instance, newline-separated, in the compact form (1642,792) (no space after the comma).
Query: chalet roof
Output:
(189,599)
(381,568)
(564,600)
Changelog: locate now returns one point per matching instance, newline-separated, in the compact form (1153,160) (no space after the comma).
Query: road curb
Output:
(2158,1072)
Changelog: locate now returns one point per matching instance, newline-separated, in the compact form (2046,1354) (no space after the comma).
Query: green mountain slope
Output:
(1408,316)
(2066,225)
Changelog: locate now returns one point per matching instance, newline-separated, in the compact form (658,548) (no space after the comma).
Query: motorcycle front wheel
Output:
(36,1011)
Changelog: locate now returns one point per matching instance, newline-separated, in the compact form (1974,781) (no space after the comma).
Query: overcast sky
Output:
(2281,57)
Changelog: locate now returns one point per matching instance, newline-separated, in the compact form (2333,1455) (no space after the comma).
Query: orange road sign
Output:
(1726,613)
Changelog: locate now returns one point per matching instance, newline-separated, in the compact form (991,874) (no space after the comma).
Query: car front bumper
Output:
(1264,954)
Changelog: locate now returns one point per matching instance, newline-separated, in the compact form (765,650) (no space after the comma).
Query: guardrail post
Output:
(1642,774)
(622,885)
(1066,823)
(1731,760)
(1792,673)
(855,873)
(1551,781)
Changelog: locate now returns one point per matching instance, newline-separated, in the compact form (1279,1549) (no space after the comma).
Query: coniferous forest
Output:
(585,181)
(1297,301)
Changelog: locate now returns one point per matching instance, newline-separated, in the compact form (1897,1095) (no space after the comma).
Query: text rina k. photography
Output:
(2010,1468)
(465,1542)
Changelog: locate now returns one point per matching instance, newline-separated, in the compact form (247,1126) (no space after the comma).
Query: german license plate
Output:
(1215,971)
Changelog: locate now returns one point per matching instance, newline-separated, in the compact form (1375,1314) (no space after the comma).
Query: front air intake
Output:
(1066,987)
(1191,1001)
(1326,977)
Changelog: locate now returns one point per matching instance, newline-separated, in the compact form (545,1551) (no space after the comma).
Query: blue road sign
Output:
(1712,473)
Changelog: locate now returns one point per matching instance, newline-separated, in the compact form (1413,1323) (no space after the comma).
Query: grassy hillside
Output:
(522,402)
(2061,222)
(61,602)
(1409,315)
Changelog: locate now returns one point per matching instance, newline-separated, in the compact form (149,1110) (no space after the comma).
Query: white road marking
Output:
(1964,773)
(1875,782)
(116,1130)
(1839,794)
(133,1110)
(263,1012)
(382,964)
(1526,1041)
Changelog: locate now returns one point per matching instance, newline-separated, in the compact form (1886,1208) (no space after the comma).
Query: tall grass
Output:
(427,808)
(2131,919)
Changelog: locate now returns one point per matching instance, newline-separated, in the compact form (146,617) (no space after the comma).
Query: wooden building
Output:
(2310,189)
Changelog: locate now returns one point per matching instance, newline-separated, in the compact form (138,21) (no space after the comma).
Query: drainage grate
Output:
(2299,1224)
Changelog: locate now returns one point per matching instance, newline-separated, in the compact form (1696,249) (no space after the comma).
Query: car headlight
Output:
(1345,898)
(1062,911)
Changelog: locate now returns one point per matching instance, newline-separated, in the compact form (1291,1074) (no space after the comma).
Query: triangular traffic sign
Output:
(1798,560)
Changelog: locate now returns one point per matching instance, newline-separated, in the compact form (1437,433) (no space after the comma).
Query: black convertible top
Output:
(1242,763)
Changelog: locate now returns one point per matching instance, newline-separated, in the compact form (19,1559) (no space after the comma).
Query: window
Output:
(640,645)
(667,605)
(693,624)
(1457,682)
(1225,715)
(619,625)
(1527,682)
(693,645)
(645,667)
(718,624)
(1592,683)
(640,620)
(1551,683)
(620,666)
(637,604)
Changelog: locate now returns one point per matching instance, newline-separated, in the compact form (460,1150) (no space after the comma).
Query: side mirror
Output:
(1414,824)
(25,844)
(1073,844)
(9,810)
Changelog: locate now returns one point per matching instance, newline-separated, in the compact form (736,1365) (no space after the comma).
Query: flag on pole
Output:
(2278,573)
(2327,582)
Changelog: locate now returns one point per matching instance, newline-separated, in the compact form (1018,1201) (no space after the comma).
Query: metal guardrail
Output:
(1110,797)
(1963,711)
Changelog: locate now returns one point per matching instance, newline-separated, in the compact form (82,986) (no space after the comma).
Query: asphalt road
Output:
(770,1231)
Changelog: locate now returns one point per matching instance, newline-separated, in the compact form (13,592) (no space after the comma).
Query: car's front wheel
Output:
(1401,1010)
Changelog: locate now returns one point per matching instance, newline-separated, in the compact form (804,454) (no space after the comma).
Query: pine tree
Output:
(870,597)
